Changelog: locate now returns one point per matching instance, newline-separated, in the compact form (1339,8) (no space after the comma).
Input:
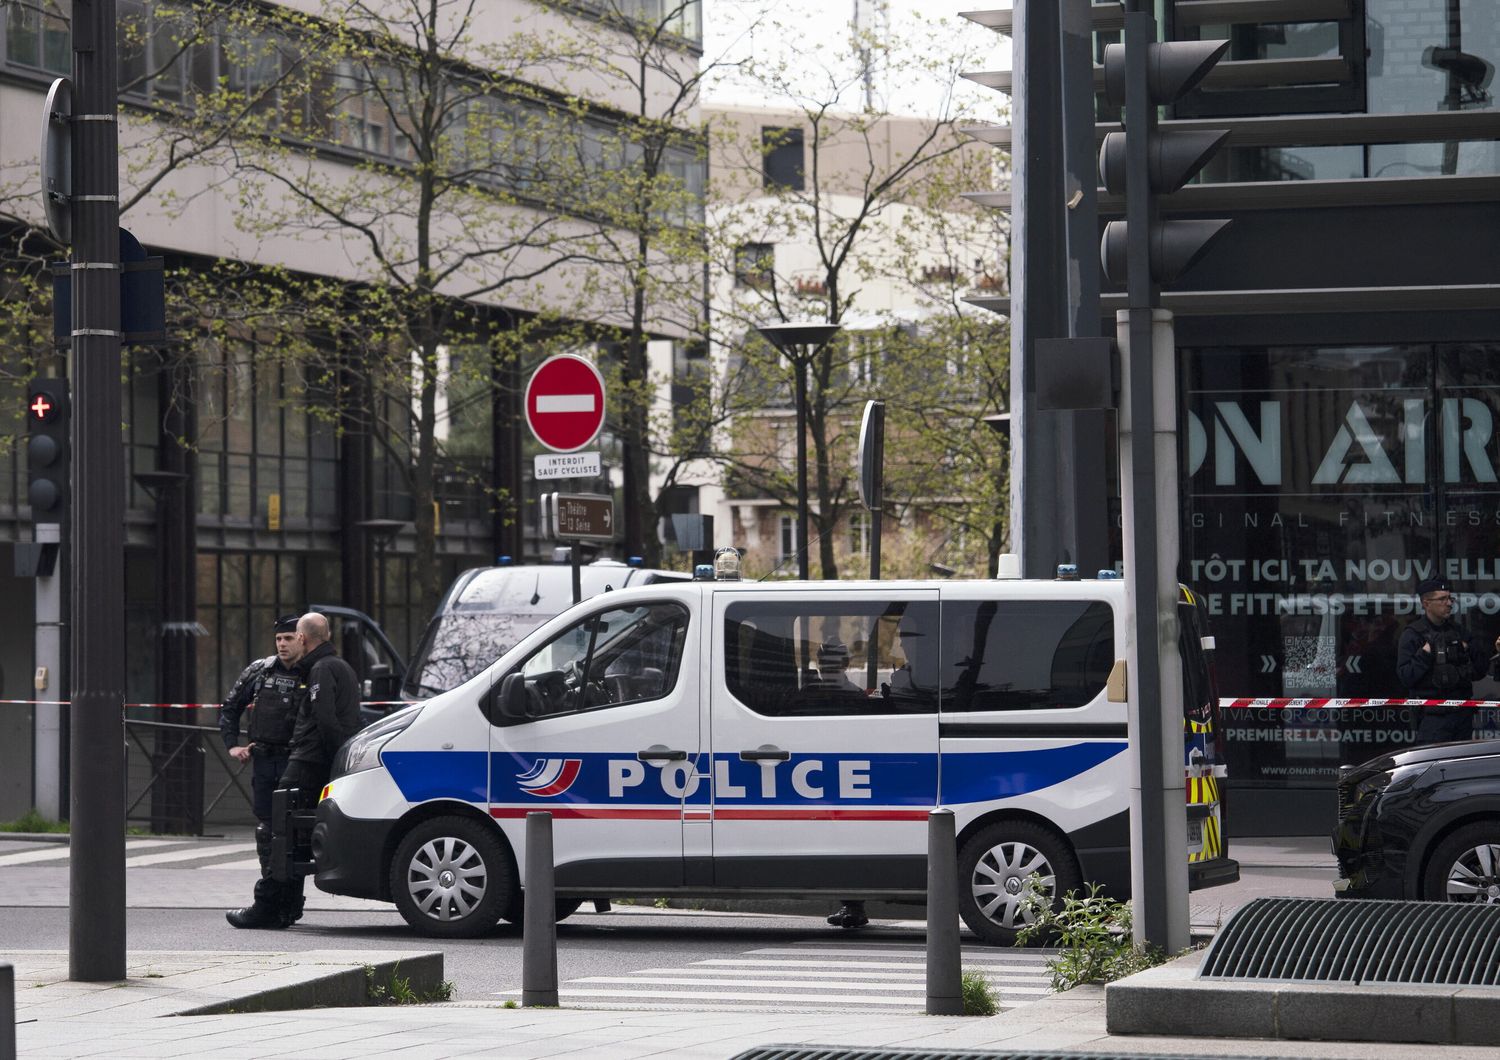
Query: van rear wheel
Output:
(452,878)
(995,870)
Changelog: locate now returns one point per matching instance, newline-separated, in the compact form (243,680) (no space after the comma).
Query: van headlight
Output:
(362,750)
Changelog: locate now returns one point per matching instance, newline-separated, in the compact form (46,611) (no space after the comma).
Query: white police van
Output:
(716,738)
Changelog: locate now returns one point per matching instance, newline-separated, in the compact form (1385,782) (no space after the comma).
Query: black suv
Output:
(1422,823)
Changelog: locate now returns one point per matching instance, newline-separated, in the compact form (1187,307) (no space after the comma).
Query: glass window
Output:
(624,655)
(1025,654)
(832,657)
(782,150)
(754,264)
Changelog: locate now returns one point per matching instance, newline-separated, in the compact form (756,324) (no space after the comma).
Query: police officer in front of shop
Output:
(1438,658)
(272,687)
(327,716)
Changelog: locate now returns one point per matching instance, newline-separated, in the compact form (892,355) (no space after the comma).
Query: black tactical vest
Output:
(275,712)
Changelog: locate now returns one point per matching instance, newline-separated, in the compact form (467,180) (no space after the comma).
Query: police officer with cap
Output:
(1438,658)
(327,715)
(273,687)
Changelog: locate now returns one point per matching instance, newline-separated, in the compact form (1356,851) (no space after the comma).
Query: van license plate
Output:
(1195,833)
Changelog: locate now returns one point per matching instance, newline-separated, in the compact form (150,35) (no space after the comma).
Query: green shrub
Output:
(1093,937)
(31,821)
(979,999)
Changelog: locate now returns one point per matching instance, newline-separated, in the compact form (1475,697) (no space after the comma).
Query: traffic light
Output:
(1146,161)
(47,463)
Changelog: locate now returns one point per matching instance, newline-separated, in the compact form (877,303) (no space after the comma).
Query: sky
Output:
(812,39)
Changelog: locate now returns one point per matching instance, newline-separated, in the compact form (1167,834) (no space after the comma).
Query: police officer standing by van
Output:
(327,716)
(273,687)
(1438,658)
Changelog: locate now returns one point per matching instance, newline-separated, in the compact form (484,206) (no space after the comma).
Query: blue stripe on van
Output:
(1004,774)
(849,780)
(424,775)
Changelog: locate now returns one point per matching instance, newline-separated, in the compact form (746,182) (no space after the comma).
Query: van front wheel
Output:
(451,878)
(999,865)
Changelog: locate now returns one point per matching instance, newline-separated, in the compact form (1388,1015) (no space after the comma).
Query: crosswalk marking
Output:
(996,955)
(194,853)
(226,866)
(61,851)
(808,976)
(146,853)
(917,984)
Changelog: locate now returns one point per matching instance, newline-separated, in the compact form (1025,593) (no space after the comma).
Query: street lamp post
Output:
(800,342)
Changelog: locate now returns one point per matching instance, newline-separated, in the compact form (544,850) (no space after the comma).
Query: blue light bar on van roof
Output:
(703,572)
(504,561)
(1067,572)
(1109,575)
(635,561)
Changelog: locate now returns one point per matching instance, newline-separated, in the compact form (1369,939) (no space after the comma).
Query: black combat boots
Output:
(255,915)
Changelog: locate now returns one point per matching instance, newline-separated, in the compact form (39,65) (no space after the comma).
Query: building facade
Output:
(799,219)
(264,434)
(1336,349)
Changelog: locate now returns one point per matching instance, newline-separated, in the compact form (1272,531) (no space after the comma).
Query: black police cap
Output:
(287,624)
(1432,585)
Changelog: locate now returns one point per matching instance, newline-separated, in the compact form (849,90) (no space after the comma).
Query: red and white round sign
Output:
(565,402)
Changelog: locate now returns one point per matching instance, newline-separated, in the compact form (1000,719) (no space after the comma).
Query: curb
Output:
(1171,1001)
(421,974)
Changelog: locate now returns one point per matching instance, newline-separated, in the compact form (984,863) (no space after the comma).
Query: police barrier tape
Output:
(184,706)
(1271,703)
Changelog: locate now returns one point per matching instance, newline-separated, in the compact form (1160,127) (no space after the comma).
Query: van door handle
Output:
(765,753)
(658,753)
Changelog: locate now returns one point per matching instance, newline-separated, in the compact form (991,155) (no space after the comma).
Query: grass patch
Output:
(979,999)
(510,1003)
(31,821)
(399,992)
(1093,934)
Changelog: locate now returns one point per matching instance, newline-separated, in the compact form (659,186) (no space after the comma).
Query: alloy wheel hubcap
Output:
(1475,875)
(1002,881)
(446,878)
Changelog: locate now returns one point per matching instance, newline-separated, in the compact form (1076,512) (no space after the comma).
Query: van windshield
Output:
(458,646)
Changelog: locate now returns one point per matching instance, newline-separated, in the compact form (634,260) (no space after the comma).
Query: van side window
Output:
(624,655)
(1024,654)
(829,658)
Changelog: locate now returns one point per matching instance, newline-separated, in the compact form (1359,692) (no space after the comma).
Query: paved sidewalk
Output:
(57,1018)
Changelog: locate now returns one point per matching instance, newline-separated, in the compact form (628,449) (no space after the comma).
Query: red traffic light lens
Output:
(41,408)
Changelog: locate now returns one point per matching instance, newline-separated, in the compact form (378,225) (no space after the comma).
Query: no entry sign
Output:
(565,402)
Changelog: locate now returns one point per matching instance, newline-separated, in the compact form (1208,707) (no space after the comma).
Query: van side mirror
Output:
(514,701)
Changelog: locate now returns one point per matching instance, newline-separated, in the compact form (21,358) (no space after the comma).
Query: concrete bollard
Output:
(539,923)
(944,975)
(7,1012)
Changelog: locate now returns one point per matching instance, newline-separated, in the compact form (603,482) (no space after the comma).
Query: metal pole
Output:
(945,996)
(539,922)
(576,565)
(1148,455)
(48,790)
(803,560)
(96,924)
(7,1012)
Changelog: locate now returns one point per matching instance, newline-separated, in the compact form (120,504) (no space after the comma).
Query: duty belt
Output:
(270,750)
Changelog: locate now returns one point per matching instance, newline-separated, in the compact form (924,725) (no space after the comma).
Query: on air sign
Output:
(565,402)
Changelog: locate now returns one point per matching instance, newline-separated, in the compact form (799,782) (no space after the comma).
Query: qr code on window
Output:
(1309,666)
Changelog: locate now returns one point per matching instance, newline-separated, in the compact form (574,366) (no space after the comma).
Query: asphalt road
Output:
(634,956)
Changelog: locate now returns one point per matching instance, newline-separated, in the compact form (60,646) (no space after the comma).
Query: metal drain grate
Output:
(1326,940)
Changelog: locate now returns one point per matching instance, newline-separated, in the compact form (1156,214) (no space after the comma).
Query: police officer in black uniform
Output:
(1438,658)
(273,687)
(327,716)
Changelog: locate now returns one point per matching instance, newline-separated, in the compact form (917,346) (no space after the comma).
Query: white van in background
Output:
(488,609)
